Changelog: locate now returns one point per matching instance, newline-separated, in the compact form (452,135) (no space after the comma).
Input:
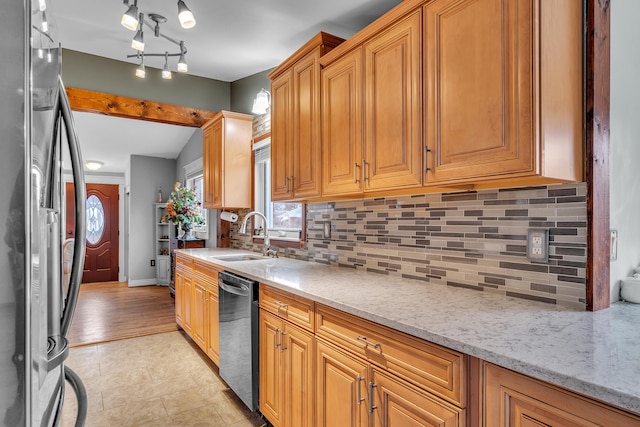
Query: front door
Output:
(101,259)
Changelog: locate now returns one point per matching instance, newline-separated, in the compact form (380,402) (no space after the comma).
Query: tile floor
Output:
(157,380)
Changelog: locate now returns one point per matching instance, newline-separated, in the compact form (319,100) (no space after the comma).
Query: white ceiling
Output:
(232,39)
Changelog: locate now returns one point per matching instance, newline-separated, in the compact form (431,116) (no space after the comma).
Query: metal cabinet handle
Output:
(367,342)
(355,172)
(426,159)
(371,405)
(293,179)
(277,335)
(282,347)
(359,398)
(281,304)
(364,170)
(286,180)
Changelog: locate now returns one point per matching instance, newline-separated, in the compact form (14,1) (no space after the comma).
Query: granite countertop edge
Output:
(589,353)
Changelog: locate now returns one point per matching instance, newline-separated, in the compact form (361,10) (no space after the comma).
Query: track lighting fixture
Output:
(166,73)
(44,24)
(185,16)
(130,18)
(153,23)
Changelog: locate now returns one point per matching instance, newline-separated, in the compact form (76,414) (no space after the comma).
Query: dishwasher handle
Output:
(235,289)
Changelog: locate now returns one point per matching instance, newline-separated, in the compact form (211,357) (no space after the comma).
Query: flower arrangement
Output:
(183,208)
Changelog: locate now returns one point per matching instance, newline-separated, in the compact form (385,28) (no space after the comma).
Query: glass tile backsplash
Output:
(475,240)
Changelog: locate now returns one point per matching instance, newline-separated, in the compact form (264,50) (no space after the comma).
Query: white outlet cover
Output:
(538,244)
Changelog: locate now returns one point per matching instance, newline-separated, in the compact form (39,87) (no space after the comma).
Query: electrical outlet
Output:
(326,230)
(153,263)
(538,245)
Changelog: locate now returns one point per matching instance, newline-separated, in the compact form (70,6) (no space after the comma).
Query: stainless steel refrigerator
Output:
(36,305)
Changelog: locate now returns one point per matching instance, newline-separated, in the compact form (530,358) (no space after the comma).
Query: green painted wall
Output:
(91,72)
(244,91)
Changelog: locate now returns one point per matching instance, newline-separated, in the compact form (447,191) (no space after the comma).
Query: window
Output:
(195,180)
(284,219)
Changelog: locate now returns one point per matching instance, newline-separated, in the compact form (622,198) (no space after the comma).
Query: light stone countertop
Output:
(596,354)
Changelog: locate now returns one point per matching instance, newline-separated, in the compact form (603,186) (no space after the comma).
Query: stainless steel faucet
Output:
(266,246)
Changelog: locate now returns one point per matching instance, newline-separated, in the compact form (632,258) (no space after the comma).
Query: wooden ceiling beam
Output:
(132,108)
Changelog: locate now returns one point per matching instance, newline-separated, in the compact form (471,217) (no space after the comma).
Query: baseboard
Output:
(142,282)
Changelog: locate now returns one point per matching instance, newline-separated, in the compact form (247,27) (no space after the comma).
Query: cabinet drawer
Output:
(290,307)
(439,370)
(207,274)
(184,264)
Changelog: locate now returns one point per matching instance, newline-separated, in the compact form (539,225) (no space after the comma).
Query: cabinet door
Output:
(479,73)
(297,353)
(281,136)
(398,404)
(307,155)
(213,328)
(271,373)
(217,142)
(341,389)
(393,106)
(515,400)
(163,269)
(199,317)
(187,304)
(208,160)
(179,301)
(342,125)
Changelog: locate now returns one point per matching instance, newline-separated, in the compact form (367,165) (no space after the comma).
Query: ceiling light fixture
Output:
(262,102)
(185,16)
(44,24)
(42,5)
(138,44)
(93,165)
(140,71)
(130,17)
(138,40)
(166,73)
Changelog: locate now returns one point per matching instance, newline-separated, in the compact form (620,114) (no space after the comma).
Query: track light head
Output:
(187,20)
(166,73)
(130,17)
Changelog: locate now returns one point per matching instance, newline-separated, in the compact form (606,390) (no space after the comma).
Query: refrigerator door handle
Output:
(79,246)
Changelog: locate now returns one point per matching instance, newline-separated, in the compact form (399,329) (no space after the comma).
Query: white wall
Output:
(625,138)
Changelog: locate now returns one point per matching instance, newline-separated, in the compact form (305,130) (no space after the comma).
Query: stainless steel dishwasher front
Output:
(239,351)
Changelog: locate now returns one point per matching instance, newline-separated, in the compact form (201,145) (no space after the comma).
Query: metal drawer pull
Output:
(367,342)
(282,347)
(355,172)
(286,180)
(371,406)
(364,170)
(426,159)
(281,304)
(276,339)
(360,399)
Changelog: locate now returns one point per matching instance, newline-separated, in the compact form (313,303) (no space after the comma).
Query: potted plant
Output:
(183,209)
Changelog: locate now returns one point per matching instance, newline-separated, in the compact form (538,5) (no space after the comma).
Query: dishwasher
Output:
(239,352)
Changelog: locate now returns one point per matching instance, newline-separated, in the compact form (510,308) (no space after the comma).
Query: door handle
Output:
(286,180)
(277,335)
(426,159)
(282,347)
(364,171)
(371,405)
(359,399)
(355,172)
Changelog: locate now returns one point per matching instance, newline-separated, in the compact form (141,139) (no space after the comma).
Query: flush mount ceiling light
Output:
(93,165)
(138,43)
(262,102)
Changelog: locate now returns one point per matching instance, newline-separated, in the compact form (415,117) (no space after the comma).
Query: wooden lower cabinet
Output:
(353,393)
(286,372)
(196,302)
(516,400)
(341,388)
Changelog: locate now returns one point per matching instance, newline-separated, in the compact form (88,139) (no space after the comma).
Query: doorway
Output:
(101,259)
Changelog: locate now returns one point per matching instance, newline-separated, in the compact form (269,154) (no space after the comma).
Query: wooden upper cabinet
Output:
(393,106)
(296,156)
(227,160)
(342,124)
(503,90)
(372,109)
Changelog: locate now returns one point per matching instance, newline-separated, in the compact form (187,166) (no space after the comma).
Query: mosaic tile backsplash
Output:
(475,240)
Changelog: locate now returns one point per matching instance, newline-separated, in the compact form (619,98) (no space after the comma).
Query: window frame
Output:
(192,172)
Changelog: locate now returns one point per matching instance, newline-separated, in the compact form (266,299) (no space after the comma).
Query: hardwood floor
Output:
(113,311)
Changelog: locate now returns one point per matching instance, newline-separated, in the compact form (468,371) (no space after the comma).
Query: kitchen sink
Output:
(243,257)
